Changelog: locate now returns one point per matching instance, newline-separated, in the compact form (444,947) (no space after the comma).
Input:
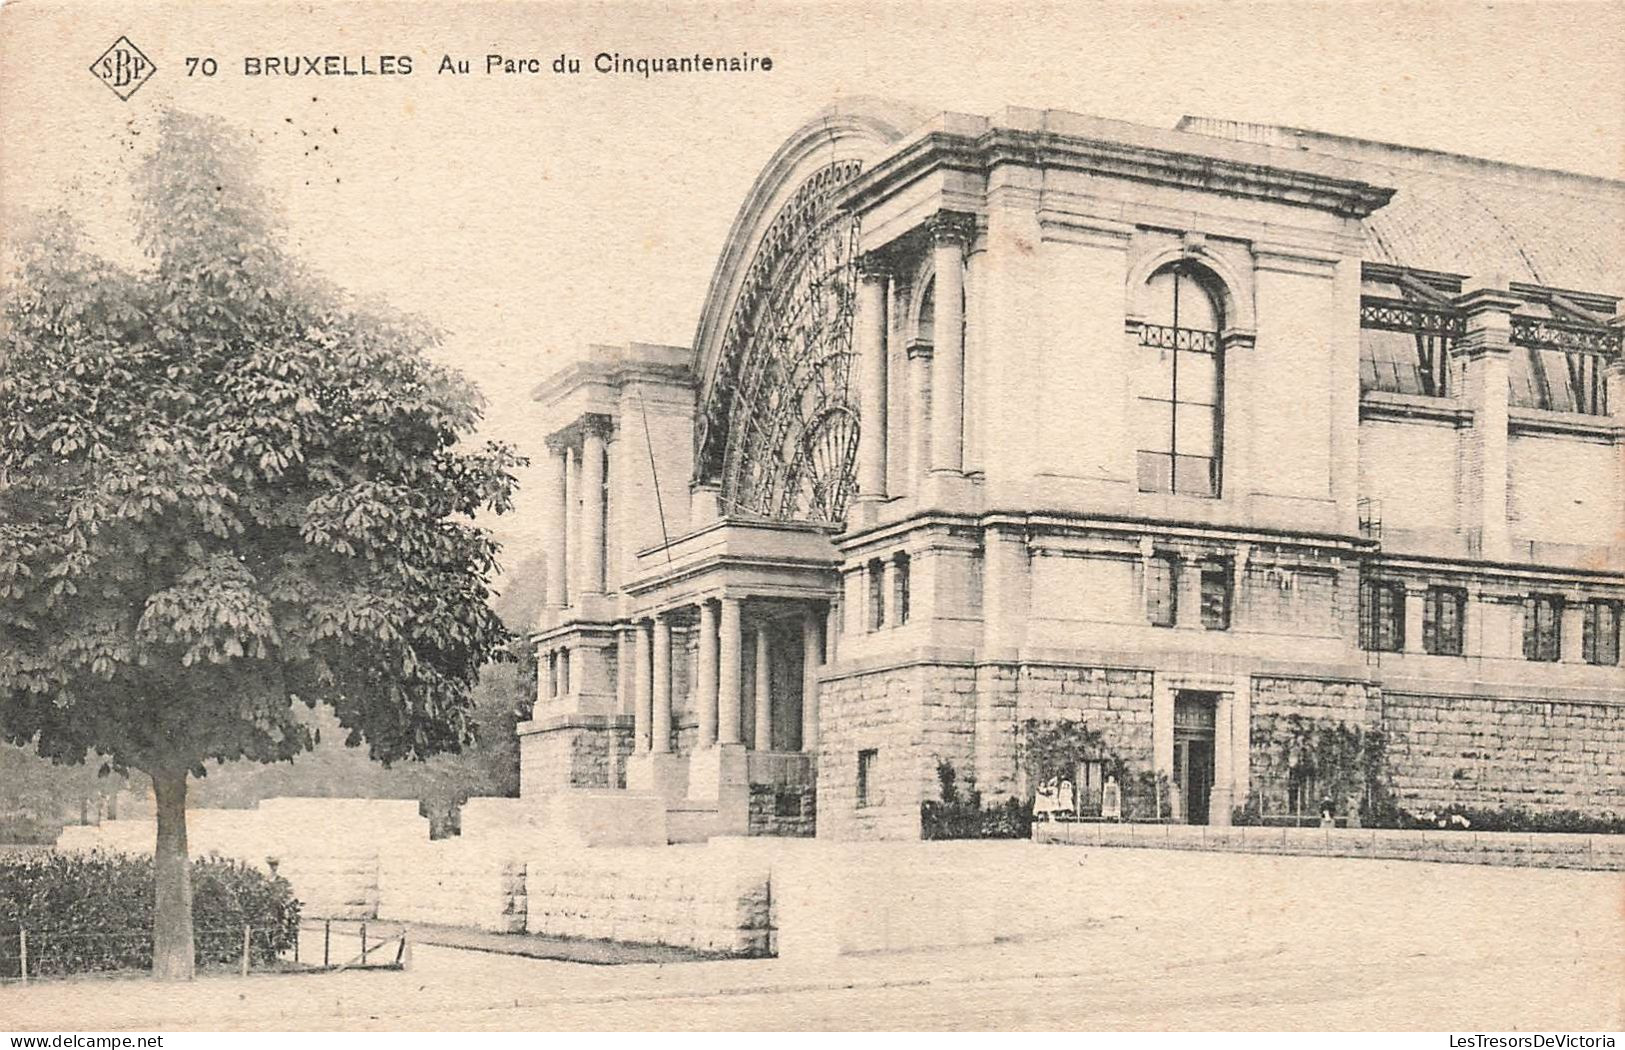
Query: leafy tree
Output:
(227,489)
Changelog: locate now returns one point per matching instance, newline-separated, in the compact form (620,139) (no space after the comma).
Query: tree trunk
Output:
(172,949)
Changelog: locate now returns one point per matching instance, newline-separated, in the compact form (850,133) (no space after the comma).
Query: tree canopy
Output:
(227,488)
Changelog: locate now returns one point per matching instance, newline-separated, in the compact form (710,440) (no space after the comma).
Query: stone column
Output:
(1162,730)
(553,522)
(1241,734)
(643,657)
(730,647)
(950,235)
(572,524)
(1188,603)
(1486,349)
(870,340)
(1613,378)
(592,505)
(1571,630)
(1416,600)
(764,693)
(888,590)
(812,655)
(1224,794)
(706,685)
(919,414)
(625,673)
(660,741)
(832,630)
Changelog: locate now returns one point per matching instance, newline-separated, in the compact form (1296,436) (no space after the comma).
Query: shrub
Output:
(962,815)
(93,911)
(1511,818)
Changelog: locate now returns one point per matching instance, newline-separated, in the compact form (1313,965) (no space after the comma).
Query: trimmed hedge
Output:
(93,911)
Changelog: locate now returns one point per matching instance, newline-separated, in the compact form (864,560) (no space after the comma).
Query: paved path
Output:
(1181,940)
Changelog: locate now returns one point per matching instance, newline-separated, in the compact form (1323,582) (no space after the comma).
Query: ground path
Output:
(1172,939)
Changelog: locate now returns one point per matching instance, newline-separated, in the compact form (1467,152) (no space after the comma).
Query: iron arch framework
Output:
(779,430)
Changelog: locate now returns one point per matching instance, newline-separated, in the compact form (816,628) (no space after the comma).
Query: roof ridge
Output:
(1195,124)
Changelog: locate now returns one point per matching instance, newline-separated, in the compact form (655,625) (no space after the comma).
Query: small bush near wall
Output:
(1466,818)
(960,813)
(93,911)
(1512,818)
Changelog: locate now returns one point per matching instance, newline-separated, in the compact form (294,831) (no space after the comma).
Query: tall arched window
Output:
(1179,416)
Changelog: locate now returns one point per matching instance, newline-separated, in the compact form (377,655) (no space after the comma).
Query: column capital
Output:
(1487,295)
(951,227)
(874,266)
(598,424)
(1486,308)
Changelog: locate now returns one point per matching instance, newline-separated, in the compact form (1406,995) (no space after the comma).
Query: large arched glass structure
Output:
(780,429)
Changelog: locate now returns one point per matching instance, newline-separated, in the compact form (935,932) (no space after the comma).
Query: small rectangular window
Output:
(868,766)
(1602,632)
(1442,621)
(1216,594)
(1543,627)
(1162,590)
(1382,615)
(900,588)
(877,595)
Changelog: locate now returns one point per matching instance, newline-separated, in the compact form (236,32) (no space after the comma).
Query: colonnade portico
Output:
(734,707)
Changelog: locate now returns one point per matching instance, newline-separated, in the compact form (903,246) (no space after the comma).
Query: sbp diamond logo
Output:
(123,68)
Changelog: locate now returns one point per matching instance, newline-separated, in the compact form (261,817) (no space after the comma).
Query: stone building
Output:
(1270,464)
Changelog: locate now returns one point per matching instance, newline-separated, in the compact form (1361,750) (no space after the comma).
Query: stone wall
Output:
(1115,702)
(1276,703)
(969,716)
(1489,753)
(327,848)
(789,810)
(585,752)
(710,897)
(472,882)
(879,710)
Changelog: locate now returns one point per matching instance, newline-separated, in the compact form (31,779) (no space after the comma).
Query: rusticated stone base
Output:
(1488,753)
(573,751)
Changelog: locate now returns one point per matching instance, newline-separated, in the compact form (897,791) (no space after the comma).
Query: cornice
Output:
(1413,408)
(1348,197)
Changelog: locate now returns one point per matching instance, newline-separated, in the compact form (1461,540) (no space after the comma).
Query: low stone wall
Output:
(327,848)
(1598,852)
(712,897)
(454,882)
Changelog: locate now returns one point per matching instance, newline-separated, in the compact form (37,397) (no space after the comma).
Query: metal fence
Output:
(29,954)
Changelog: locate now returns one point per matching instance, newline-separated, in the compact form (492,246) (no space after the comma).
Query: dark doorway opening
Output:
(1194,715)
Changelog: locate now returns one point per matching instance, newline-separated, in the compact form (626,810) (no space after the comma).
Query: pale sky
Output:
(529,215)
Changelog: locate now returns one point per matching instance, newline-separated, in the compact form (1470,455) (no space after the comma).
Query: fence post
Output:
(247,933)
(363,942)
(404,956)
(22,948)
(327,941)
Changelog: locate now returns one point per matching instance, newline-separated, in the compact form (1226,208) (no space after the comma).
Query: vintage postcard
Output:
(534,516)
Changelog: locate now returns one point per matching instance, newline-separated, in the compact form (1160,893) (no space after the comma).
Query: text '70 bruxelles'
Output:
(497,64)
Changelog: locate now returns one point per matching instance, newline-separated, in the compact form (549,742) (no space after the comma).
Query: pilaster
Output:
(1485,351)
